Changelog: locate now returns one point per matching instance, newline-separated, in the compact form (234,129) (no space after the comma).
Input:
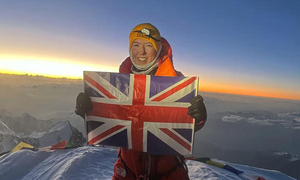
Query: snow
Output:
(30,107)
(96,163)
(60,132)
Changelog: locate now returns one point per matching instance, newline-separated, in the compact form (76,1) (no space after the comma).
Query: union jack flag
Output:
(141,112)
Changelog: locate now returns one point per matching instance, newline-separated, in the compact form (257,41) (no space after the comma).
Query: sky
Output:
(238,47)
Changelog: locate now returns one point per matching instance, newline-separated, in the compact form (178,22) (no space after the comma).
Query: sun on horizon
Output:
(54,68)
(48,67)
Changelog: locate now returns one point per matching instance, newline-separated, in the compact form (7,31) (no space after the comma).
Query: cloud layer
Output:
(286,120)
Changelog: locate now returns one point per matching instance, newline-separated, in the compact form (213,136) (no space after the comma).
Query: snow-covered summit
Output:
(97,163)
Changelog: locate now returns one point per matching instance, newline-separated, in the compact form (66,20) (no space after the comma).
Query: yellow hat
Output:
(145,31)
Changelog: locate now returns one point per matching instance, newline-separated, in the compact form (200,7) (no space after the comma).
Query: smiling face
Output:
(142,52)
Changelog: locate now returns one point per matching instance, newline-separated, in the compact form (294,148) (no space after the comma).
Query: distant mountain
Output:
(25,123)
(12,134)
(7,137)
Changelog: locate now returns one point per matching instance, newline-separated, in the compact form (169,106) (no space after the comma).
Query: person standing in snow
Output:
(150,54)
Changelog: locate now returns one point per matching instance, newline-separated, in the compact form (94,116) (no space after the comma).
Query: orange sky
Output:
(58,68)
(48,67)
(249,90)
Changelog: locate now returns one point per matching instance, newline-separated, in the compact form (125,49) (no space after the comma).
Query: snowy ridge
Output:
(97,163)
(24,123)
(61,131)
(7,137)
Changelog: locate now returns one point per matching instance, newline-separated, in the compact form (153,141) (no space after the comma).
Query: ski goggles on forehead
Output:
(146,32)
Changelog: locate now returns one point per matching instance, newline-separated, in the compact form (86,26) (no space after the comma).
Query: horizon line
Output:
(78,78)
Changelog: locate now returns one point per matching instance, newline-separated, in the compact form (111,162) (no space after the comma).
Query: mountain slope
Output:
(90,162)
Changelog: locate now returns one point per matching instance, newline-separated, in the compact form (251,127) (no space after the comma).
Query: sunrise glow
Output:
(12,64)
(48,67)
(247,89)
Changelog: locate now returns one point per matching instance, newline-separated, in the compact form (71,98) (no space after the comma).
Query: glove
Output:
(83,105)
(197,110)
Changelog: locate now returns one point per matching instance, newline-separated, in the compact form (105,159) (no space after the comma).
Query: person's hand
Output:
(83,104)
(197,110)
